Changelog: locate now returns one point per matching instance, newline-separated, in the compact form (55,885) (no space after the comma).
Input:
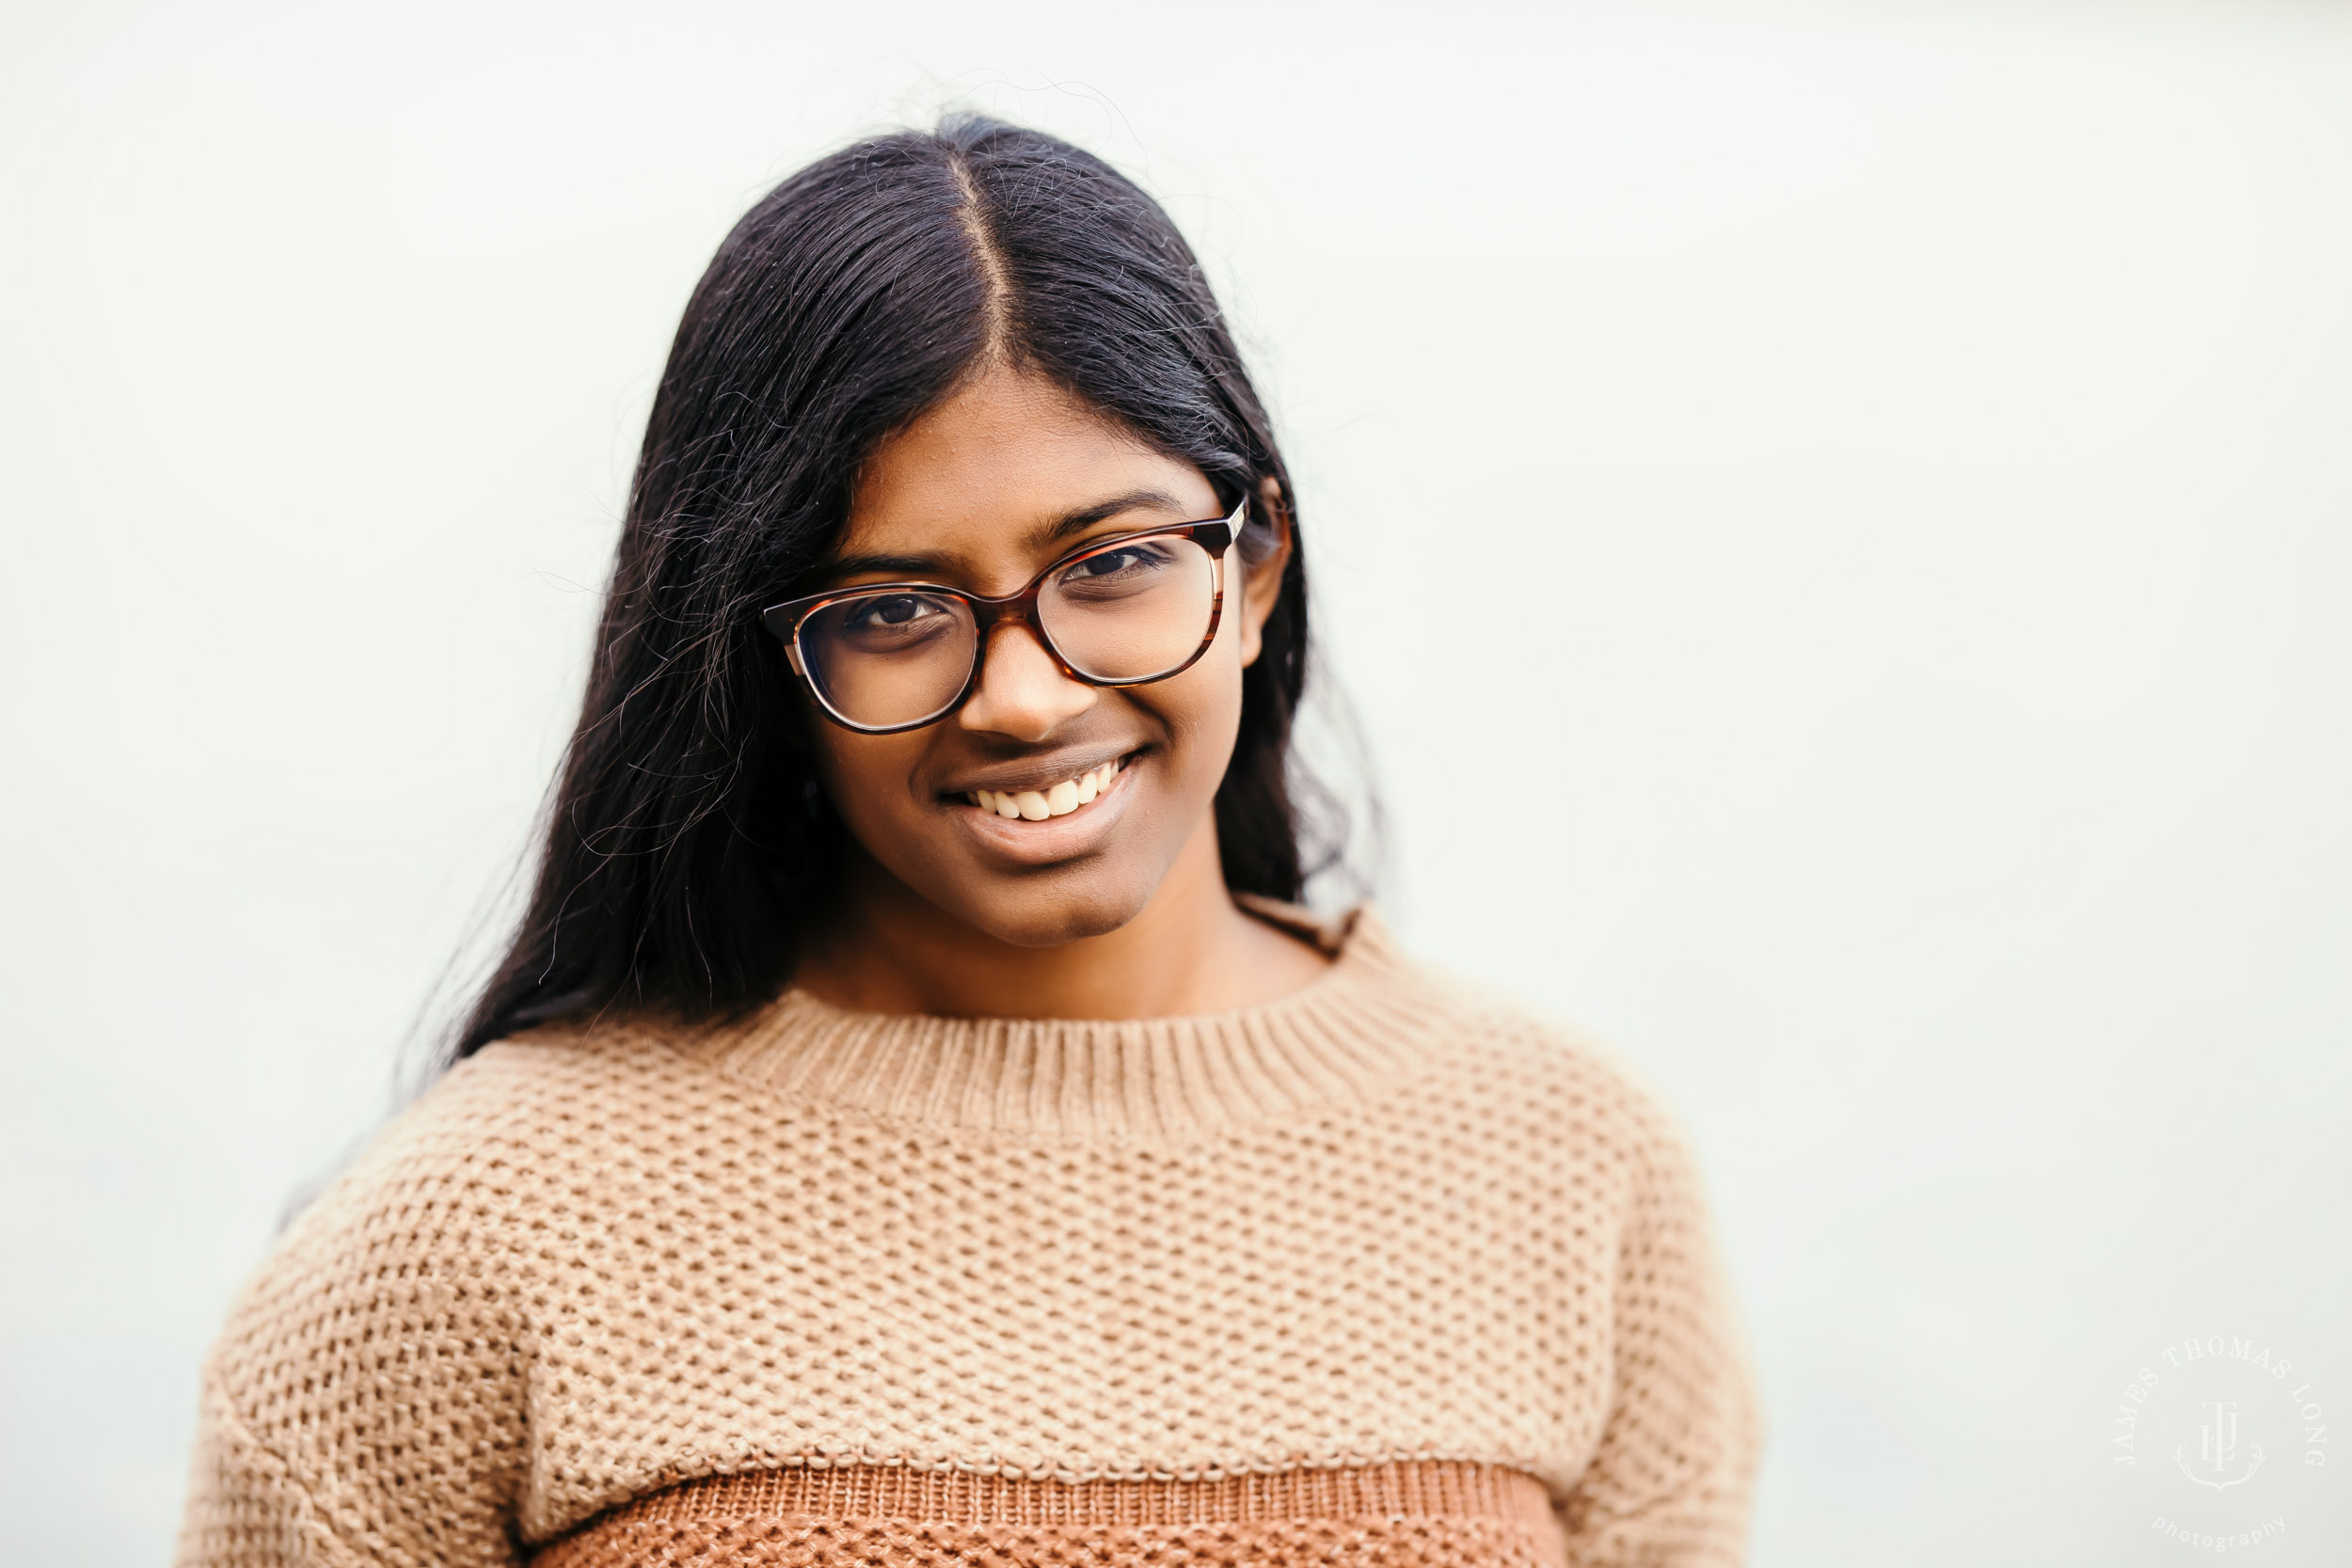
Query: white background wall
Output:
(1835,518)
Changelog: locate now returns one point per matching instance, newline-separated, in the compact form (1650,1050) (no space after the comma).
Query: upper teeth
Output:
(1058,800)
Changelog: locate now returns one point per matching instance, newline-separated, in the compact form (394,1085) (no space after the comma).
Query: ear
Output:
(1261,580)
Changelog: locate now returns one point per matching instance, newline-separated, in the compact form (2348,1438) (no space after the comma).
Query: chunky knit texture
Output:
(1387,1271)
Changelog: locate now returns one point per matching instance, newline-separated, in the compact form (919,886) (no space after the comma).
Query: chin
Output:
(1047,912)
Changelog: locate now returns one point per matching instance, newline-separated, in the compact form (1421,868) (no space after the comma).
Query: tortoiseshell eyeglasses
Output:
(1125,610)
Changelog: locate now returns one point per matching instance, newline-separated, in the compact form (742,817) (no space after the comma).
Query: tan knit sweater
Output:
(1385,1272)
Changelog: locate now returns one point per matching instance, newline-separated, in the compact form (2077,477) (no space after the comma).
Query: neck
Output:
(1190,950)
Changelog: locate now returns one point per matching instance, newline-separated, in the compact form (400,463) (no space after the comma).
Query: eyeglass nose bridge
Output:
(1015,609)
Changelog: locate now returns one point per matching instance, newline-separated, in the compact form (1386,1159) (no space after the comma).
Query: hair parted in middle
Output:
(688,843)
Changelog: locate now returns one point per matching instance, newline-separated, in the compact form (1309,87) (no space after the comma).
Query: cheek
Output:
(1202,712)
(866,777)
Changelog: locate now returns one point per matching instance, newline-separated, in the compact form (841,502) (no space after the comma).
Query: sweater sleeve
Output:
(362,1405)
(1670,1482)
(245,1506)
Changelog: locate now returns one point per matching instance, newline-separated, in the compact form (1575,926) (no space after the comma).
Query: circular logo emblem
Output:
(2223,1441)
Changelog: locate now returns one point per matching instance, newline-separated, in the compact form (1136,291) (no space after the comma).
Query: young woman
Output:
(915,1123)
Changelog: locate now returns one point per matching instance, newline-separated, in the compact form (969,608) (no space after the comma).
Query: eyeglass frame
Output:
(1217,535)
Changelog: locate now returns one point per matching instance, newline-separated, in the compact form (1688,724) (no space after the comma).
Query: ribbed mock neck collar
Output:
(1349,1029)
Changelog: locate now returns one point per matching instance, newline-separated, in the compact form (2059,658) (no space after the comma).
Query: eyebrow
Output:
(1064,527)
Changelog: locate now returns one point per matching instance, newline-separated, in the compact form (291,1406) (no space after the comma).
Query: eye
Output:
(894,612)
(886,622)
(1128,563)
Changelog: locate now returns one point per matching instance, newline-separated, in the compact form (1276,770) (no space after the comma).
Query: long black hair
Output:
(688,842)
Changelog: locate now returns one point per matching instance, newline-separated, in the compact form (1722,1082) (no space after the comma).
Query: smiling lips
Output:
(1036,805)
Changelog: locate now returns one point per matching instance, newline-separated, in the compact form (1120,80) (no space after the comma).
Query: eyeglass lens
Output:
(1132,613)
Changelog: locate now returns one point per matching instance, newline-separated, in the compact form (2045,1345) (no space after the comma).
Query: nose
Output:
(1022,692)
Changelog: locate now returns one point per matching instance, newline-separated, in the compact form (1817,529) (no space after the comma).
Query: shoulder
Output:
(446,1160)
(370,1381)
(1536,1065)
(417,1235)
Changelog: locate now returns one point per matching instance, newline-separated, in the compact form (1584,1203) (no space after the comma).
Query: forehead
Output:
(1003,455)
